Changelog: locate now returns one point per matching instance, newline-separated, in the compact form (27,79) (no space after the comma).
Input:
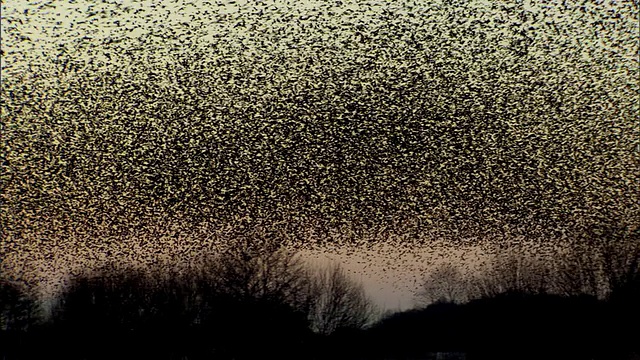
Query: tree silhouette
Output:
(215,309)
(18,311)
(445,283)
(510,272)
(263,296)
(19,314)
(338,302)
(605,261)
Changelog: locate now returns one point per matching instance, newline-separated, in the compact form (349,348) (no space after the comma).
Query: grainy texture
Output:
(184,124)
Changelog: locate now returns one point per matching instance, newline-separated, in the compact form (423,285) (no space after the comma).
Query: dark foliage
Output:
(238,305)
(261,306)
(512,325)
(18,315)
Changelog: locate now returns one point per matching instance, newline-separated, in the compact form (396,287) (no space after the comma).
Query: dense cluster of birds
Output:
(454,119)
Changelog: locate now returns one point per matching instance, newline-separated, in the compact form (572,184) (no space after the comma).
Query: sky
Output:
(389,136)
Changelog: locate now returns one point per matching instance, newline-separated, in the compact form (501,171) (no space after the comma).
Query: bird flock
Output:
(163,128)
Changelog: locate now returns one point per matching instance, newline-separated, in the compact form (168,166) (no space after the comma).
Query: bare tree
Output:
(577,271)
(619,253)
(517,270)
(337,302)
(607,260)
(18,309)
(445,283)
(329,298)
(274,274)
(234,297)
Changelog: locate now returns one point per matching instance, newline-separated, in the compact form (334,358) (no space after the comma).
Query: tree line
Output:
(241,304)
(581,300)
(264,302)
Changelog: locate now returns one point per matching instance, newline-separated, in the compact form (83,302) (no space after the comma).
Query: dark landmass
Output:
(266,305)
